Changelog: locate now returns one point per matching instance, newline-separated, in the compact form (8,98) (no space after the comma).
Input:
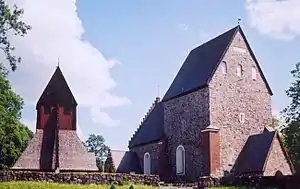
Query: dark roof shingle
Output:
(254,154)
(152,128)
(58,87)
(201,63)
(125,161)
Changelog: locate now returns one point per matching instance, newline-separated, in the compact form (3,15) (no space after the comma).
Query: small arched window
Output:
(224,67)
(180,160)
(147,163)
(239,70)
(254,73)
(242,117)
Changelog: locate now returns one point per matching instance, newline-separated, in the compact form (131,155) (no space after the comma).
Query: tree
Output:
(14,136)
(11,24)
(291,131)
(275,122)
(96,144)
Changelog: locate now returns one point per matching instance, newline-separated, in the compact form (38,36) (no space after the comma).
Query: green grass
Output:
(46,185)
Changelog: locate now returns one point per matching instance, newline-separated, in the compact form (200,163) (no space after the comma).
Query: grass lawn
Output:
(45,185)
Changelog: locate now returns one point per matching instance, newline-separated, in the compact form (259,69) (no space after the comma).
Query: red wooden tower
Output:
(55,145)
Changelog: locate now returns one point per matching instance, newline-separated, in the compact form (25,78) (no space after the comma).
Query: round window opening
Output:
(242,117)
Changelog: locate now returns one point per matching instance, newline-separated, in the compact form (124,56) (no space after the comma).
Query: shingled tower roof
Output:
(59,87)
(56,145)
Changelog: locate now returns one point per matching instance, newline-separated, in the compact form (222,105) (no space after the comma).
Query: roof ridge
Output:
(151,108)
(204,58)
(218,36)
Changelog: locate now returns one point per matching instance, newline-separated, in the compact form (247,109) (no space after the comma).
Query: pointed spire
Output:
(58,87)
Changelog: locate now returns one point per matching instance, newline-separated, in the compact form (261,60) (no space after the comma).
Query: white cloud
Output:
(102,118)
(80,134)
(31,124)
(278,19)
(57,32)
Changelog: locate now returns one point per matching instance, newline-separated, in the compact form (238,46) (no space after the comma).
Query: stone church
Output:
(214,119)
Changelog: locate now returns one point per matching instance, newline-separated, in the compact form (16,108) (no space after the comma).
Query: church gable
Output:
(278,159)
(122,162)
(199,66)
(239,61)
(263,154)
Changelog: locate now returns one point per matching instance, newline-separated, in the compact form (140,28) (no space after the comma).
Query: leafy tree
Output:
(291,131)
(14,136)
(96,144)
(11,24)
(275,122)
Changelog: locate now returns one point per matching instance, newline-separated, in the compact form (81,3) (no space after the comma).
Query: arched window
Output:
(147,163)
(224,67)
(253,73)
(180,160)
(242,117)
(239,70)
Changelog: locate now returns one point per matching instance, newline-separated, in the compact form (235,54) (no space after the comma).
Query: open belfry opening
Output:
(56,145)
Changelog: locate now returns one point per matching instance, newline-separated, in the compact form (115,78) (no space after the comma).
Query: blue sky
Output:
(146,41)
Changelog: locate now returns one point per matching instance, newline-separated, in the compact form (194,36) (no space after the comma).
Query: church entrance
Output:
(147,163)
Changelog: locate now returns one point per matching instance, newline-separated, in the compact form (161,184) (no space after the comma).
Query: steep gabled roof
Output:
(151,129)
(255,153)
(201,64)
(125,161)
(58,86)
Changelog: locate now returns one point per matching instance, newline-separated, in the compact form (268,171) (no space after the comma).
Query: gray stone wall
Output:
(79,178)
(184,119)
(231,95)
(155,150)
(277,161)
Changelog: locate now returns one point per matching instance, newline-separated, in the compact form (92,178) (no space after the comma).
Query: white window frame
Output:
(224,67)
(180,161)
(147,163)
(254,73)
(239,70)
(242,117)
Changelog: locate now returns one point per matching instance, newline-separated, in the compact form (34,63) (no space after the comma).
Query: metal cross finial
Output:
(239,20)
(58,62)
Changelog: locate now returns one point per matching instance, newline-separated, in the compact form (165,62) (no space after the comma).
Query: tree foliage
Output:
(96,144)
(275,122)
(14,136)
(11,24)
(109,166)
(291,131)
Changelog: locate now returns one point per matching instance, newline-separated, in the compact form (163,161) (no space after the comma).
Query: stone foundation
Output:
(79,178)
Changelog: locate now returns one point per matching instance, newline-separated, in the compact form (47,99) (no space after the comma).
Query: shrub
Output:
(112,186)
(131,187)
